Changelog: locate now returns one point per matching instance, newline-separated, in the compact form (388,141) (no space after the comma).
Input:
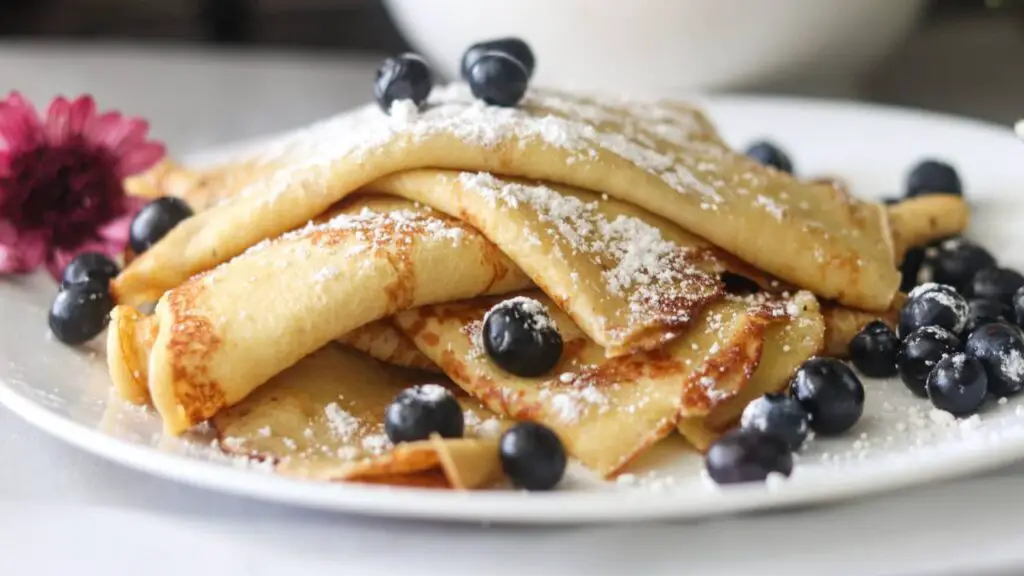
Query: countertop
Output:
(65,511)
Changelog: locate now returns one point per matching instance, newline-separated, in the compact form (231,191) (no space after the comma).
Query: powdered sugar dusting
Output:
(944,296)
(637,262)
(538,319)
(342,424)
(431,393)
(570,124)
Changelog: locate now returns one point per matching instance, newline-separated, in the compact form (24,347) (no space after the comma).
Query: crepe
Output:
(663,157)
(323,419)
(383,341)
(630,280)
(786,346)
(605,410)
(223,333)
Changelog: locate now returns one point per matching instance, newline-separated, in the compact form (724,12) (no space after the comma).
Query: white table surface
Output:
(63,511)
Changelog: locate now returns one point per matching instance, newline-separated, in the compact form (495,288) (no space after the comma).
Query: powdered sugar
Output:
(342,424)
(569,124)
(944,296)
(637,262)
(1013,364)
(430,393)
(538,319)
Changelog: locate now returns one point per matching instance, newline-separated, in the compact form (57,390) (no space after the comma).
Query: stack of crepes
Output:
(331,268)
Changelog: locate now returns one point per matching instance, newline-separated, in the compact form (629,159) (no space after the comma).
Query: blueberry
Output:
(933,177)
(514,47)
(747,456)
(779,415)
(922,350)
(958,385)
(997,283)
(1000,349)
(770,155)
(89,267)
(155,220)
(422,410)
(933,305)
(985,311)
(910,268)
(874,350)
(402,77)
(831,394)
(79,313)
(1018,307)
(956,261)
(519,335)
(498,79)
(532,456)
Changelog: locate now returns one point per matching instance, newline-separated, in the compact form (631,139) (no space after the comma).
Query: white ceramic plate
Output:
(899,442)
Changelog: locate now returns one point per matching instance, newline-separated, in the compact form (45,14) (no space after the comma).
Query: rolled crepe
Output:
(223,333)
(664,157)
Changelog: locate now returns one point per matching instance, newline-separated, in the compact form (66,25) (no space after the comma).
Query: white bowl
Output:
(670,47)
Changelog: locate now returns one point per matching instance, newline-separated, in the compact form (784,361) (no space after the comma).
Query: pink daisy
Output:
(61,180)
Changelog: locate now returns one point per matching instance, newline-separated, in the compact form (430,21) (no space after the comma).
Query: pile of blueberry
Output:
(82,308)
(958,342)
(497,71)
(521,339)
(824,396)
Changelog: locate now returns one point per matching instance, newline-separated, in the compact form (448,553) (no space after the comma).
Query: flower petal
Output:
(140,158)
(21,251)
(58,121)
(20,126)
(82,110)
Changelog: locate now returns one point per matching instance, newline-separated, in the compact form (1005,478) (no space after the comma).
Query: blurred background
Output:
(959,56)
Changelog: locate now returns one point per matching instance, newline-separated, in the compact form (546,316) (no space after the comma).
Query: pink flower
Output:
(61,180)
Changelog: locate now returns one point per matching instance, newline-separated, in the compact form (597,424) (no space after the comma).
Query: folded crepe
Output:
(663,157)
(608,410)
(323,419)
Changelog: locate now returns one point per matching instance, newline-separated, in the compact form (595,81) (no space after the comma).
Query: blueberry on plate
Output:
(831,394)
(956,261)
(1000,349)
(874,350)
(985,311)
(997,283)
(922,350)
(1018,307)
(778,415)
(402,77)
(155,220)
(910,269)
(957,384)
(514,47)
(747,455)
(933,304)
(80,312)
(532,456)
(770,155)
(422,410)
(498,79)
(933,177)
(521,338)
(89,268)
